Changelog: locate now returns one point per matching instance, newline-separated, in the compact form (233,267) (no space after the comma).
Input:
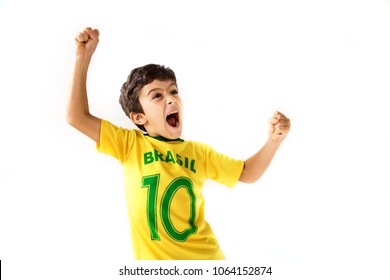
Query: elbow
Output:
(74,119)
(71,120)
(76,116)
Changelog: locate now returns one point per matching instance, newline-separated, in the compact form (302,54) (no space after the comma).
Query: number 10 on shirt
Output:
(153,206)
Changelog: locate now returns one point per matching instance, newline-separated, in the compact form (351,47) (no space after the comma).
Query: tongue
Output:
(171,120)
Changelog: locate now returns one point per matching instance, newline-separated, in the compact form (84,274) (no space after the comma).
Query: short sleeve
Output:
(222,168)
(115,141)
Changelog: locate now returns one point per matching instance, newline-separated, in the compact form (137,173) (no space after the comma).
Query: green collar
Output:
(161,138)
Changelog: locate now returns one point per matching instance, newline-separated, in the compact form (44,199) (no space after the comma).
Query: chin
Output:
(173,133)
(173,136)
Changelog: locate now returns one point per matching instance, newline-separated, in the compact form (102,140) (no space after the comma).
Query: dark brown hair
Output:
(138,78)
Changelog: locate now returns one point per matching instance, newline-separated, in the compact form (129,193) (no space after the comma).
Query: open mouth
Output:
(173,119)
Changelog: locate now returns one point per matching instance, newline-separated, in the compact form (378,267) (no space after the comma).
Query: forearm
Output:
(78,100)
(256,165)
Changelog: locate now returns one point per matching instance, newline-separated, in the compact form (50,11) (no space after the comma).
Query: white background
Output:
(321,211)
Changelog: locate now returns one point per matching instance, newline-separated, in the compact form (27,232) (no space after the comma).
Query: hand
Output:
(279,126)
(87,41)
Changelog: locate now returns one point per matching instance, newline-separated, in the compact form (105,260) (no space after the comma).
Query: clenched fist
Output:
(87,41)
(278,127)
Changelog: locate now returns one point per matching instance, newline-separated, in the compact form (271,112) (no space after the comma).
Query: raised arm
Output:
(78,114)
(255,166)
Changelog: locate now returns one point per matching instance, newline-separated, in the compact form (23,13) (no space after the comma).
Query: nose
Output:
(171,99)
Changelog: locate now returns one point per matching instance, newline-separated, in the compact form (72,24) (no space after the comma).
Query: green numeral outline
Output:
(152,182)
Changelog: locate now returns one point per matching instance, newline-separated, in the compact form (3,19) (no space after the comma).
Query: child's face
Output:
(162,107)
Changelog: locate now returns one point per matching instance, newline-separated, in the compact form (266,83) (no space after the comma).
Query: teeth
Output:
(171,113)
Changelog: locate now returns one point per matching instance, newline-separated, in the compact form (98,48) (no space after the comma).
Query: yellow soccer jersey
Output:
(163,183)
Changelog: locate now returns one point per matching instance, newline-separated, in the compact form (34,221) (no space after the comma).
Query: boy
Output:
(163,174)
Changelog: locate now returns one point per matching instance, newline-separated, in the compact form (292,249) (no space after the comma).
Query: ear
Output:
(138,118)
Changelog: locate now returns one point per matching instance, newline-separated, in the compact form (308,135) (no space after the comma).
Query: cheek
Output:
(178,101)
(154,113)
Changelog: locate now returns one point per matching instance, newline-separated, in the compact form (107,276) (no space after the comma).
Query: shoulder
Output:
(111,132)
(109,126)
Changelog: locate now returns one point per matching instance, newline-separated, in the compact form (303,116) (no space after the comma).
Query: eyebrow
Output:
(171,84)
